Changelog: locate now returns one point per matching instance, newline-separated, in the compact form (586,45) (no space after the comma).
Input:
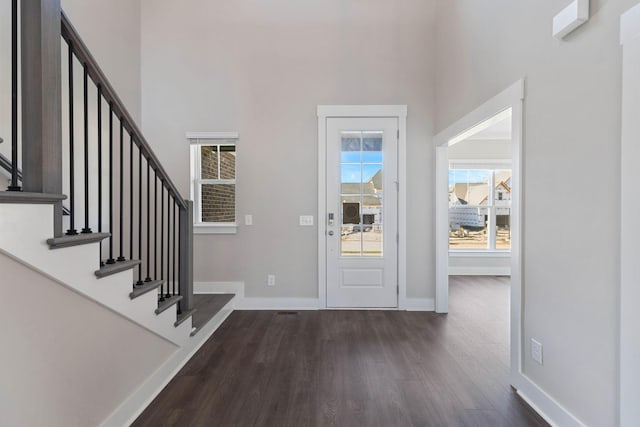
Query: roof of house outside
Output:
(476,193)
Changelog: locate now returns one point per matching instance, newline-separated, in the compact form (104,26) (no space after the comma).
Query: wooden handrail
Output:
(83,54)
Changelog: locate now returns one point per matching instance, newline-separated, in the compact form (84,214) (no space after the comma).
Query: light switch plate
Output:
(536,351)
(306,220)
(248,220)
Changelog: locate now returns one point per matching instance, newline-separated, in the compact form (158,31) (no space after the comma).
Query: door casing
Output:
(513,98)
(398,112)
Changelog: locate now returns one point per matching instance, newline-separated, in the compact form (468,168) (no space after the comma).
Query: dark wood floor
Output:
(354,368)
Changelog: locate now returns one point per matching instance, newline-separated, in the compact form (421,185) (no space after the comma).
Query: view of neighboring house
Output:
(469,202)
(363,199)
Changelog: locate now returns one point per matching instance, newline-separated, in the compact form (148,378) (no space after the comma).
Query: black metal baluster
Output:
(100,167)
(121,256)
(179,263)
(72,211)
(168,294)
(14,98)
(131,196)
(139,282)
(86,229)
(162,243)
(148,278)
(155,226)
(111,260)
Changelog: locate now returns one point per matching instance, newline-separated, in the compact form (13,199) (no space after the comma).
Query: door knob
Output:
(330,232)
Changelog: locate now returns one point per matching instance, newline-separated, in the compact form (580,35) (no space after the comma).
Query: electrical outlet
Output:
(248,220)
(271,280)
(536,351)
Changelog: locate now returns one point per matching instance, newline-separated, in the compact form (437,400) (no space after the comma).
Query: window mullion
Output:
(219,162)
(491,214)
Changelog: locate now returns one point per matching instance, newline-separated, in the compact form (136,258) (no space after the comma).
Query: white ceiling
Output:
(500,130)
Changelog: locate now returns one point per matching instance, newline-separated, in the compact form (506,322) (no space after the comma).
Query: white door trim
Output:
(629,335)
(512,97)
(338,111)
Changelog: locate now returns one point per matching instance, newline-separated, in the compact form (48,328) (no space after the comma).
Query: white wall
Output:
(111,30)
(5,80)
(261,68)
(571,158)
(67,361)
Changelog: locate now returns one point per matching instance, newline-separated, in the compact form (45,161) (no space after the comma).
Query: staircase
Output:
(72,261)
(124,235)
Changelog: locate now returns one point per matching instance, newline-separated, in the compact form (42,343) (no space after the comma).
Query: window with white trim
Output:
(213,181)
(479,207)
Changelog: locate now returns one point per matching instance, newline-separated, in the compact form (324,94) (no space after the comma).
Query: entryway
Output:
(359,211)
(506,105)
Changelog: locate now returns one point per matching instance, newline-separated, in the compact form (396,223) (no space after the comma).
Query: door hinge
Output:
(397,237)
(398,134)
(398,290)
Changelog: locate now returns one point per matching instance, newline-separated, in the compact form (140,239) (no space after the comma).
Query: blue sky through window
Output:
(351,173)
(361,156)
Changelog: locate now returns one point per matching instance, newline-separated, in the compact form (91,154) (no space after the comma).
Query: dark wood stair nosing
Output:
(79,239)
(184,316)
(168,302)
(109,269)
(144,288)
(30,198)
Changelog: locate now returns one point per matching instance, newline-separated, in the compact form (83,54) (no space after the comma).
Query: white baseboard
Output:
(236,288)
(546,406)
(242,302)
(137,402)
(479,271)
(278,304)
(419,304)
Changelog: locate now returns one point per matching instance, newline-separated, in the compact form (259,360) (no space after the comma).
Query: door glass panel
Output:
(361,194)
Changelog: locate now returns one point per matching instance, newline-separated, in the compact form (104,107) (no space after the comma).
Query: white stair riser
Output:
(23,234)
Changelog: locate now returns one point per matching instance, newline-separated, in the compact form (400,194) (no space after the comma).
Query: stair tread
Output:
(109,269)
(207,306)
(184,316)
(26,197)
(80,239)
(168,302)
(145,287)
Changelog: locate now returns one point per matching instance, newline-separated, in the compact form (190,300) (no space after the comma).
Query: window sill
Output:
(480,254)
(230,228)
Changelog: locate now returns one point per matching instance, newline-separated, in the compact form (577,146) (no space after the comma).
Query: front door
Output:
(362,212)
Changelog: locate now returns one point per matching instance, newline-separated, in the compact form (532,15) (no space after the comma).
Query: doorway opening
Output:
(484,226)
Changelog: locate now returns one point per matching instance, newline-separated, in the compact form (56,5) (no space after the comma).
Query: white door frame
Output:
(512,97)
(629,338)
(340,111)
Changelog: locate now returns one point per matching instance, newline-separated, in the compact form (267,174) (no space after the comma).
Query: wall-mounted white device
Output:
(570,18)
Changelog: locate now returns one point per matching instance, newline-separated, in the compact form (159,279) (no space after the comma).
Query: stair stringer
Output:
(24,230)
